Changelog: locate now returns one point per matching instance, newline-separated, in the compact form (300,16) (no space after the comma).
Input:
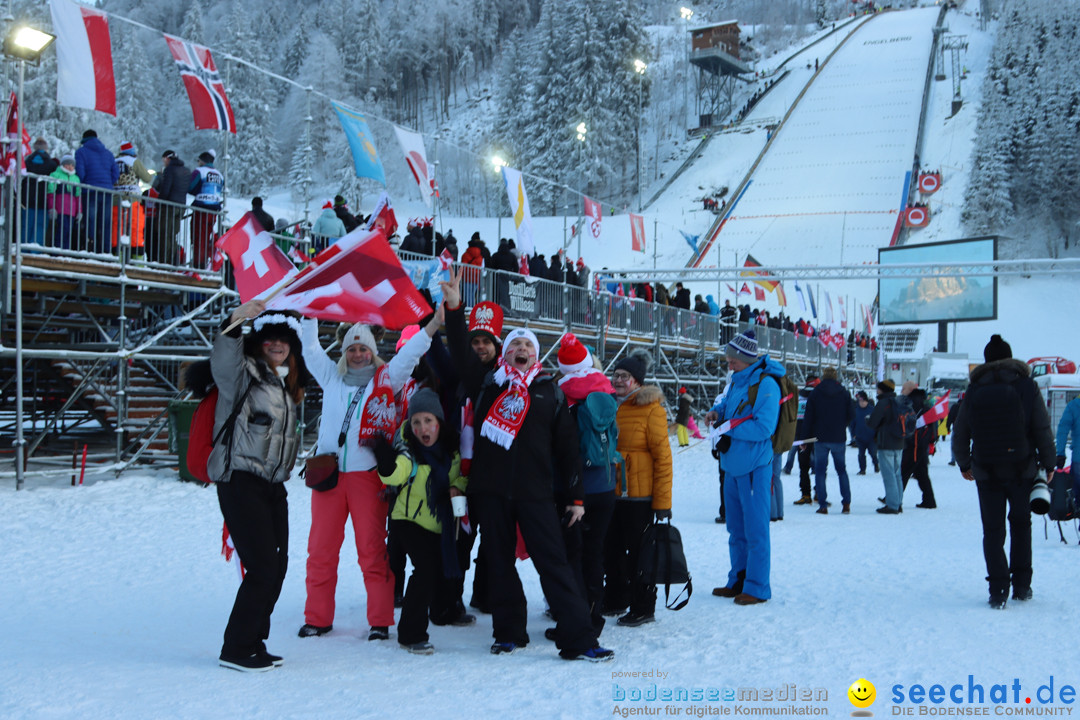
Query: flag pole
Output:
(237,323)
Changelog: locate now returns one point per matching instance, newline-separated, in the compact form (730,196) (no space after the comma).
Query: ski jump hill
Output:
(832,181)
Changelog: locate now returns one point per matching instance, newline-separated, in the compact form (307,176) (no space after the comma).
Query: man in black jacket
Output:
(829,412)
(171,185)
(525,459)
(682,296)
(34,196)
(265,219)
(1001,439)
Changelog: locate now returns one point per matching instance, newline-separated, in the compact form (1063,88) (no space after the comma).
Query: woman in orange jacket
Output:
(644,444)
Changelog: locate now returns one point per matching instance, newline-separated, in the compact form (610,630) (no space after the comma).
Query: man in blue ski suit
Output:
(746,457)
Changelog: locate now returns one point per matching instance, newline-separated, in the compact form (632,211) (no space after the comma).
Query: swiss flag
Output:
(362,282)
(824,337)
(258,264)
(940,410)
(637,233)
(744,290)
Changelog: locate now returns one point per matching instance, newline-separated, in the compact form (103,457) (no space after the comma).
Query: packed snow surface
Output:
(115,598)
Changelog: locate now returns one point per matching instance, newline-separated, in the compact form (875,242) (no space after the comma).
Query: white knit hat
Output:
(520,332)
(743,347)
(360,333)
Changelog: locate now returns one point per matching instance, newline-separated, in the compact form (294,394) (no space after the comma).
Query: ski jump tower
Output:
(714,50)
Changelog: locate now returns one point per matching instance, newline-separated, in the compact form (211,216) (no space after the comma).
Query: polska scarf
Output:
(379,415)
(508,412)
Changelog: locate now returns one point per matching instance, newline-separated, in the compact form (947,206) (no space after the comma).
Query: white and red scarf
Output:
(508,412)
(379,415)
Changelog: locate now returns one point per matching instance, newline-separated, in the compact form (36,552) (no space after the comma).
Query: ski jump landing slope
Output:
(829,188)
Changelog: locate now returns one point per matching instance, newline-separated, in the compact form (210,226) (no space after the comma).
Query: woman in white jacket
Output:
(362,386)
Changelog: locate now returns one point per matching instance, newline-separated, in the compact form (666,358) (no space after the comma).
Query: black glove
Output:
(715,454)
(662,514)
(1060,461)
(723,444)
(385,456)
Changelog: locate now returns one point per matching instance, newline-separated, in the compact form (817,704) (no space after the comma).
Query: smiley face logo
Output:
(862,693)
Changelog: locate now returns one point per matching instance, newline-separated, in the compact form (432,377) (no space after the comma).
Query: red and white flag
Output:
(209,105)
(523,265)
(759,294)
(593,215)
(744,290)
(229,550)
(869,318)
(637,233)
(843,313)
(934,414)
(11,142)
(382,217)
(824,337)
(412,144)
(84,67)
(258,264)
(362,282)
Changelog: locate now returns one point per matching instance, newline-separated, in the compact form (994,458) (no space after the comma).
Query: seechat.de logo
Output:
(862,695)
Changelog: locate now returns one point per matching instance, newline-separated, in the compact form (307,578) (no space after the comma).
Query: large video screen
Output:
(916,299)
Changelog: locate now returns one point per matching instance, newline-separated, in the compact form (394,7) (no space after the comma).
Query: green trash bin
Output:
(180,414)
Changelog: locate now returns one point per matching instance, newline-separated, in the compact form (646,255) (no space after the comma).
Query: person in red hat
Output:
(586,386)
(474,349)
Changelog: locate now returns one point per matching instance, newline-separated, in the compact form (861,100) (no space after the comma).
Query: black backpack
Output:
(1062,499)
(903,418)
(663,562)
(999,424)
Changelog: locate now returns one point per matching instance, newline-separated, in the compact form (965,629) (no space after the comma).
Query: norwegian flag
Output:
(258,264)
(205,90)
(11,141)
(382,217)
(934,414)
(363,281)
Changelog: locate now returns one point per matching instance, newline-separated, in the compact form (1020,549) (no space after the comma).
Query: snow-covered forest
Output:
(514,77)
(1026,173)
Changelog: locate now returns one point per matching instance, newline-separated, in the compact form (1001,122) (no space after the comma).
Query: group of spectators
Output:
(93,201)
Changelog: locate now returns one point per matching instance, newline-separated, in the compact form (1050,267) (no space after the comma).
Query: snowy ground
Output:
(114,599)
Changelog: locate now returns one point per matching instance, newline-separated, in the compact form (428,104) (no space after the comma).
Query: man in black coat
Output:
(682,296)
(503,259)
(804,452)
(525,465)
(538,267)
(700,306)
(171,185)
(341,209)
(1001,439)
(34,195)
(264,219)
(829,412)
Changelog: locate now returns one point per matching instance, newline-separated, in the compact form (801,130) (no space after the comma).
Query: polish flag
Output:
(11,142)
(593,213)
(363,282)
(934,414)
(84,66)
(258,264)
(383,217)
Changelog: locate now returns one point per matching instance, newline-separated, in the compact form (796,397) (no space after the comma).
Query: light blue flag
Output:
(691,240)
(365,157)
(426,274)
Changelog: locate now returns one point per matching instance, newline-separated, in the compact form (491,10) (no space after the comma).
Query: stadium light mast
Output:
(24,44)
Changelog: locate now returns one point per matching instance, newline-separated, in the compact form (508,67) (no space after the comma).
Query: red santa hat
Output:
(573,356)
(487,318)
(581,262)
(328,205)
(127,148)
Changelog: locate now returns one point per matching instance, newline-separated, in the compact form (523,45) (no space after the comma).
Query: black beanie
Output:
(632,365)
(996,349)
(89,134)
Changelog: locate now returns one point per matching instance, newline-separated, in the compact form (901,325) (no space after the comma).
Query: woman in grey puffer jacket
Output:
(262,378)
